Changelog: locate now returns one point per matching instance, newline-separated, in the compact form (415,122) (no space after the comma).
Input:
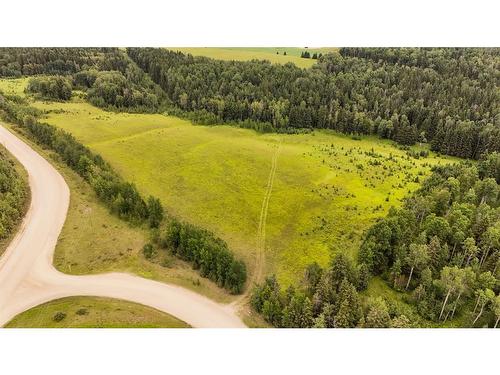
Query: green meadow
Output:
(326,188)
(13,86)
(273,54)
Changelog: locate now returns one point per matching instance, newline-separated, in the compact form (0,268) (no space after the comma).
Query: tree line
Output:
(195,245)
(447,97)
(18,62)
(206,252)
(13,195)
(443,246)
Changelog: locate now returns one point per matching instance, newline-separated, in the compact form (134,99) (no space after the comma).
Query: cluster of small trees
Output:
(205,252)
(327,298)
(444,244)
(119,85)
(51,87)
(114,90)
(444,96)
(307,55)
(13,195)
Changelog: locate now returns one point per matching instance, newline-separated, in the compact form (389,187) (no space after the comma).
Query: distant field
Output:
(327,190)
(273,54)
(93,312)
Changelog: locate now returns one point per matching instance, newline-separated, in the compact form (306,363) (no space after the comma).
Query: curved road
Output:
(28,278)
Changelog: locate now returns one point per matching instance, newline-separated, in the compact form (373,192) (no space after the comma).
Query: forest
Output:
(447,97)
(444,244)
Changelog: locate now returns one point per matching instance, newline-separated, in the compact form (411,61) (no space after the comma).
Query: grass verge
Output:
(94,312)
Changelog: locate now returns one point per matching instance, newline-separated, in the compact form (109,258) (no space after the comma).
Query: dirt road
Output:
(28,278)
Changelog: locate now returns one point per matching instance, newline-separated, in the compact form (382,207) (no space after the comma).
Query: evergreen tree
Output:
(378,314)
(155,212)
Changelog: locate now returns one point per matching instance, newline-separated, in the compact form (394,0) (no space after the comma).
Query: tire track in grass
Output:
(261,230)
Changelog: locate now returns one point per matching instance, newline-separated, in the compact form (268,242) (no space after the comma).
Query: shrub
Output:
(148,251)
(59,316)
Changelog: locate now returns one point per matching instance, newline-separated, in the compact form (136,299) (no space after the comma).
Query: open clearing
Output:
(13,86)
(94,312)
(259,53)
(327,190)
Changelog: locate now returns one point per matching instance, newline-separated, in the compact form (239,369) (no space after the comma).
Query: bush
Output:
(59,316)
(148,251)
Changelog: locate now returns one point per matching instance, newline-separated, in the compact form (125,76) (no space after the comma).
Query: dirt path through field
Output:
(261,231)
(28,278)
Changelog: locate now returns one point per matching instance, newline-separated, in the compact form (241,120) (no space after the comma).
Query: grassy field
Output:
(328,188)
(13,86)
(93,312)
(273,54)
